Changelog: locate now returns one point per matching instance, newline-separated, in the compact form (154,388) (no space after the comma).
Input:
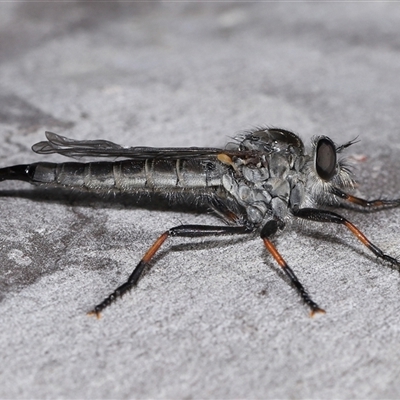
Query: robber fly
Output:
(256,184)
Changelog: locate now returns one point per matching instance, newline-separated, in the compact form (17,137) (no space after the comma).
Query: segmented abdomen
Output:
(124,176)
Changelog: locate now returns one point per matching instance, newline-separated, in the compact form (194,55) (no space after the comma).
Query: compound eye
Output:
(325,159)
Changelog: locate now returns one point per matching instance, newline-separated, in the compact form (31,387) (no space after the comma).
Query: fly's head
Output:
(324,171)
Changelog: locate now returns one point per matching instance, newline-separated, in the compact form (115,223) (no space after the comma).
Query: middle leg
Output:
(269,229)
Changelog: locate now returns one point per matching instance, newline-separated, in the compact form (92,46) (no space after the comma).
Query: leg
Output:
(313,214)
(369,205)
(182,231)
(270,229)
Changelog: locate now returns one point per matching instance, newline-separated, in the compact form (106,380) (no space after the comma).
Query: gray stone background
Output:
(211,318)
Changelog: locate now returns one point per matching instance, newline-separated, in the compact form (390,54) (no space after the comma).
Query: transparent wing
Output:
(103,148)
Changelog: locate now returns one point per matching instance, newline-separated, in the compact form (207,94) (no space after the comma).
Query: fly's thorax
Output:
(264,187)
(255,200)
(271,140)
